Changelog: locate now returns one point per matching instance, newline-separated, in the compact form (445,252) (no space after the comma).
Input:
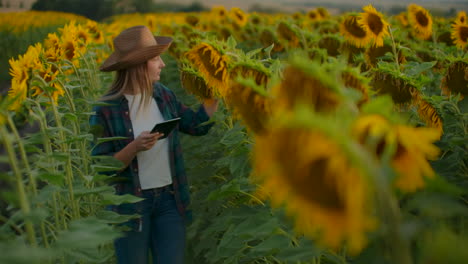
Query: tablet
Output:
(165,127)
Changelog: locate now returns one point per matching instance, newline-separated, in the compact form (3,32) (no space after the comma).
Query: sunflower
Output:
(193,82)
(323,12)
(69,49)
(455,80)
(374,24)
(313,15)
(400,89)
(287,35)
(352,79)
(411,148)
(268,37)
(249,101)
(429,114)
(461,18)
(83,36)
(19,83)
(402,18)
(331,43)
(253,70)
(353,32)
(192,20)
(314,174)
(373,55)
(308,83)
(212,64)
(52,42)
(445,37)
(420,20)
(220,12)
(460,35)
(49,75)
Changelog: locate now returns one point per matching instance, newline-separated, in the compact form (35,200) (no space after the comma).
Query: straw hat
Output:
(133,46)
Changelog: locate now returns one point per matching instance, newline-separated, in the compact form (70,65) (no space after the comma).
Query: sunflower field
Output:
(339,138)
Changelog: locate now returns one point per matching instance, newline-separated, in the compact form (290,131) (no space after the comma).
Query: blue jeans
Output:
(162,233)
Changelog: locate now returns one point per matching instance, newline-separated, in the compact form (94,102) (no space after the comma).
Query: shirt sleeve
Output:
(191,121)
(100,129)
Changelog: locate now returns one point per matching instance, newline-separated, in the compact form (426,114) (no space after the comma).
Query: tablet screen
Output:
(165,127)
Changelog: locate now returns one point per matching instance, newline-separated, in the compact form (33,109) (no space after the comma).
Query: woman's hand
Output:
(146,140)
(211,105)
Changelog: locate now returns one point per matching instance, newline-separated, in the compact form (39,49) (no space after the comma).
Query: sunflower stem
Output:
(23,199)
(394,49)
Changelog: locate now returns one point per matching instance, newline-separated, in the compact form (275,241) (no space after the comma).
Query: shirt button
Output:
(130,130)
(126,112)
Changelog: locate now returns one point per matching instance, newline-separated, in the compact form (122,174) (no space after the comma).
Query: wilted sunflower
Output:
(400,89)
(352,79)
(212,64)
(411,148)
(323,12)
(194,83)
(429,114)
(421,21)
(460,35)
(192,19)
(353,32)
(446,37)
(455,80)
(461,17)
(287,35)
(374,24)
(332,43)
(373,55)
(250,102)
(315,175)
(268,37)
(306,82)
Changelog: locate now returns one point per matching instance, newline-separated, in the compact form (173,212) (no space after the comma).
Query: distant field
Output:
(287,5)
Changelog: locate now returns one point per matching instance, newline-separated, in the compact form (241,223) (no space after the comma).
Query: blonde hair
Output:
(135,79)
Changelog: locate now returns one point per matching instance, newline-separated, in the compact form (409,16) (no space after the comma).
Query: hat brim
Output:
(114,62)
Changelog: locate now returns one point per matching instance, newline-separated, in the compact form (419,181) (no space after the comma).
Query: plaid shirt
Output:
(114,121)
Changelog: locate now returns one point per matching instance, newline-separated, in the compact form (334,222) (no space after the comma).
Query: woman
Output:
(153,169)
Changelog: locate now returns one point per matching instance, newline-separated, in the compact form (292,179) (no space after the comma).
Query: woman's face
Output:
(155,66)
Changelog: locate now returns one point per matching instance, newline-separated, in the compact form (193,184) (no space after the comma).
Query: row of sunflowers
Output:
(354,125)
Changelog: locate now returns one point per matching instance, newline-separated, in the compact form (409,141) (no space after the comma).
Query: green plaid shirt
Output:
(114,121)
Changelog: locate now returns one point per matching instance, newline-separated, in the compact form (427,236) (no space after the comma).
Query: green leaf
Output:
(107,139)
(86,233)
(413,68)
(111,217)
(119,199)
(52,178)
(17,252)
(81,190)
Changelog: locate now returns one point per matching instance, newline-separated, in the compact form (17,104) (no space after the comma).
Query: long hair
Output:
(134,79)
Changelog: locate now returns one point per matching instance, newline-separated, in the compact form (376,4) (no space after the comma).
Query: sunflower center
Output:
(69,51)
(239,16)
(422,19)
(375,24)
(318,188)
(354,28)
(463,33)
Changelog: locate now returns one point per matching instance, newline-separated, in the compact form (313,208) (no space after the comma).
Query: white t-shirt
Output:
(153,164)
